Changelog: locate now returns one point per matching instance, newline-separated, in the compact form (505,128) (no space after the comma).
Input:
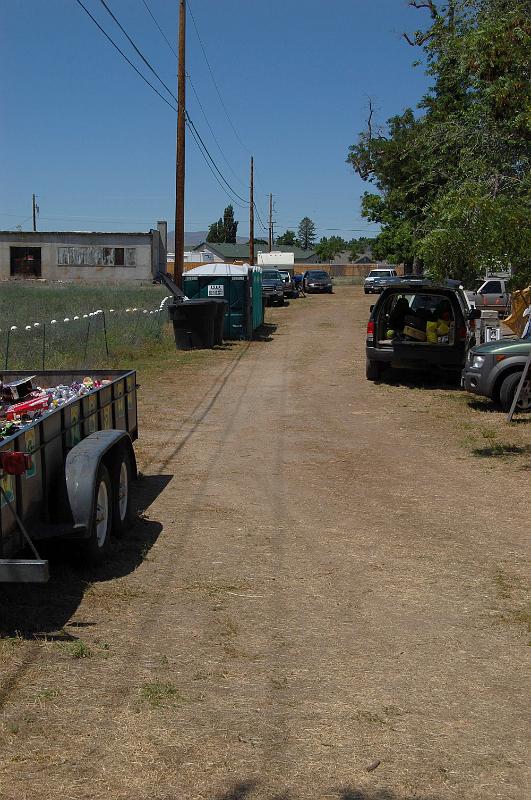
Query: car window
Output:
(271,274)
(492,287)
(314,273)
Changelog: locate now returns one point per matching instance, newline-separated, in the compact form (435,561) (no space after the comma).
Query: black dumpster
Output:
(197,324)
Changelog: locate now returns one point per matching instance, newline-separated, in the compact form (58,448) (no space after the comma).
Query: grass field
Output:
(47,327)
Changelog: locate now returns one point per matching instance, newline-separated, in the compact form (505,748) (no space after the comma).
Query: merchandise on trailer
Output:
(33,401)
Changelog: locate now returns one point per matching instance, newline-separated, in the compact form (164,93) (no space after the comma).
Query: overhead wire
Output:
(214,80)
(197,137)
(135,48)
(160,29)
(95,21)
(194,91)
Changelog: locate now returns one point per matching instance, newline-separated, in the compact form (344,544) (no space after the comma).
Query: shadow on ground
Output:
(244,790)
(498,450)
(420,379)
(33,610)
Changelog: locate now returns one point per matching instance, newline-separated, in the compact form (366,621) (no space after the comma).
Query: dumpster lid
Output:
(217,270)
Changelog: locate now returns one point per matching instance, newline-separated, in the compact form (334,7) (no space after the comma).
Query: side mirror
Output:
(474,313)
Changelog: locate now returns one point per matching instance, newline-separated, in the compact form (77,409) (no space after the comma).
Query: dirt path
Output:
(326,575)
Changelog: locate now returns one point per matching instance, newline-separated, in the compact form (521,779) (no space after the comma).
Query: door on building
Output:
(26,262)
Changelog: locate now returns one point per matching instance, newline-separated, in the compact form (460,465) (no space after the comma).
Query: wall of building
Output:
(88,257)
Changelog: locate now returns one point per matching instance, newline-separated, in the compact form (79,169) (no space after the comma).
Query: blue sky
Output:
(97,146)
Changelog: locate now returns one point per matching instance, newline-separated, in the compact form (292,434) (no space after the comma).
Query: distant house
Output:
(232,253)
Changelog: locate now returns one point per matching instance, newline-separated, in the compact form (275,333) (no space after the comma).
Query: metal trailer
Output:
(76,482)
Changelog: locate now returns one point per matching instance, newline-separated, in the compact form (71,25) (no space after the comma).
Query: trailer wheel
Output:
(101,518)
(121,484)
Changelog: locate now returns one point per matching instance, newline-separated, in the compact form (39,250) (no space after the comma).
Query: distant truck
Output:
(491,294)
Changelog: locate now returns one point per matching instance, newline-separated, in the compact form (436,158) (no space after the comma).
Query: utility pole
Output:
(180,156)
(270,222)
(251,217)
(35,210)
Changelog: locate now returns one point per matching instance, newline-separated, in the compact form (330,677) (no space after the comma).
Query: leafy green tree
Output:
(306,233)
(216,232)
(224,230)
(230,225)
(453,182)
(328,248)
(288,238)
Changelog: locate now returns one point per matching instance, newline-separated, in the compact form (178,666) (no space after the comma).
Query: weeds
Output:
(78,649)
(158,694)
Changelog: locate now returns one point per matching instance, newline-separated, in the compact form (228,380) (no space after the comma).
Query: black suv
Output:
(420,324)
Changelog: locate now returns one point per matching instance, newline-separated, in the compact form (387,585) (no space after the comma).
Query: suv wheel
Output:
(373,370)
(509,387)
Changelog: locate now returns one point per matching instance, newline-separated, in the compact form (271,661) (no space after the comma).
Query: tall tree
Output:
(288,238)
(453,181)
(306,233)
(224,230)
(230,225)
(216,232)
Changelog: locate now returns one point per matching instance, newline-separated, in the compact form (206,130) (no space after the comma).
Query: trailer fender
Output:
(81,467)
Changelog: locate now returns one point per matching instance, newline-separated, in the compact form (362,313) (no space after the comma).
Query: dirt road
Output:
(327,574)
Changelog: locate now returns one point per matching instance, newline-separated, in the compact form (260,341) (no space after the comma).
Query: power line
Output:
(142,56)
(193,132)
(197,136)
(95,21)
(194,91)
(160,29)
(214,163)
(214,80)
(211,129)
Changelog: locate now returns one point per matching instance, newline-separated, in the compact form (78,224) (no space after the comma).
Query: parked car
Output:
(373,282)
(494,370)
(289,285)
(317,280)
(491,294)
(272,286)
(421,325)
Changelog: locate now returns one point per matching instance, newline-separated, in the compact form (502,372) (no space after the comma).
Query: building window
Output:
(25,262)
(96,256)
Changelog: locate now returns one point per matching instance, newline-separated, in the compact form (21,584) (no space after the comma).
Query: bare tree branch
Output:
(419,38)
(429,4)
(369,121)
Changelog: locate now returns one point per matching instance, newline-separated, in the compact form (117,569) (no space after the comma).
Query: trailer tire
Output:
(121,475)
(97,543)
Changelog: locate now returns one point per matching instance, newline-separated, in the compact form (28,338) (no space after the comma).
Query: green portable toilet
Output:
(239,285)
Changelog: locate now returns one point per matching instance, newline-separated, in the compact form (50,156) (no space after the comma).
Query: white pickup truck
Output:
(492,294)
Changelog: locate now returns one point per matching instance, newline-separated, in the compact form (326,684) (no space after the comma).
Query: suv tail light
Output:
(462,332)
(370,329)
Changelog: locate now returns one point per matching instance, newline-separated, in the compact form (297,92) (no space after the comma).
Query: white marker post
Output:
(526,375)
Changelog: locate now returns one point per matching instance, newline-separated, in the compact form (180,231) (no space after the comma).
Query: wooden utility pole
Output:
(251,217)
(180,163)
(270,222)
(34,209)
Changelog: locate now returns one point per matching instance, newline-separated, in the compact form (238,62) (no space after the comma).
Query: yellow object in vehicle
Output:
(431,332)
(443,329)
(520,300)
(390,334)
